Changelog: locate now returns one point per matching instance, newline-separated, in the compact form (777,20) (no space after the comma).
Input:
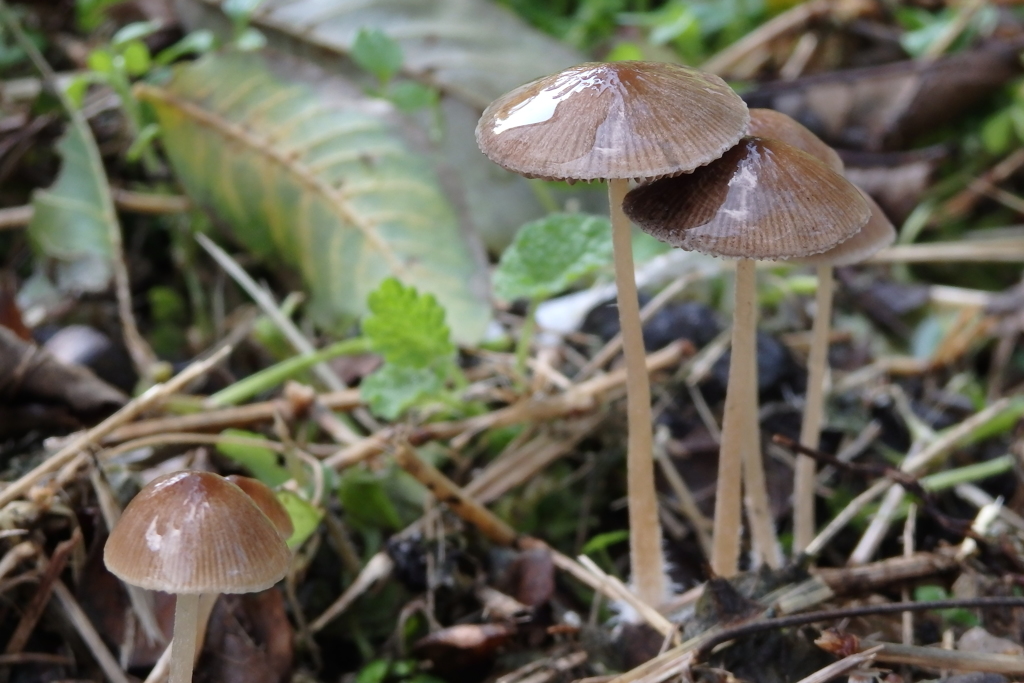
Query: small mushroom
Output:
(763,199)
(194,533)
(619,121)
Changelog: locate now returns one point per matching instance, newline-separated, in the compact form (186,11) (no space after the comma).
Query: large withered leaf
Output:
(330,191)
(471,50)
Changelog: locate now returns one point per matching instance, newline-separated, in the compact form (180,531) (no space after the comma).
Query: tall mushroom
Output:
(876,234)
(763,199)
(619,121)
(194,533)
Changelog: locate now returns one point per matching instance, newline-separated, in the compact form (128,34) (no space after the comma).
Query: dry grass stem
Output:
(935,658)
(611,587)
(111,669)
(844,665)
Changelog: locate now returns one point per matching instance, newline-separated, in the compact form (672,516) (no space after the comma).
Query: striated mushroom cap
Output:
(876,235)
(196,532)
(762,200)
(596,121)
(768,123)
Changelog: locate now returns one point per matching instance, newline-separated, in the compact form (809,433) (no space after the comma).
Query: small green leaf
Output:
(997,132)
(250,40)
(365,500)
(134,32)
(136,58)
(602,541)
(261,462)
(550,254)
(101,61)
(240,10)
(374,672)
(377,53)
(197,42)
(393,389)
(409,96)
(76,89)
(406,327)
(305,517)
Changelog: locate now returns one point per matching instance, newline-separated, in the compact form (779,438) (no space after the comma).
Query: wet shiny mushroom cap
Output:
(595,121)
(768,123)
(196,532)
(762,200)
(266,500)
(877,234)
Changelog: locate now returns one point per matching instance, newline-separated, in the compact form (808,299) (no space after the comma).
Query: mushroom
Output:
(266,500)
(763,199)
(194,533)
(619,121)
(876,234)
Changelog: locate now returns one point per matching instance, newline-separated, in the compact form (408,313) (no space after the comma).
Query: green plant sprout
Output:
(546,257)
(381,56)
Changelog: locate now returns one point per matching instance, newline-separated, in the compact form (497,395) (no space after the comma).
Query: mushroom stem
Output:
(810,429)
(740,436)
(186,619)
(644,526)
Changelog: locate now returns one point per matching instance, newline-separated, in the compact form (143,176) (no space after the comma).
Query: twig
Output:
(754,628)
(126,200)
(34,610)
(215,420)
(848,663)
(933,657)
(151,397)
(994,250)
(449,493)
(88,633)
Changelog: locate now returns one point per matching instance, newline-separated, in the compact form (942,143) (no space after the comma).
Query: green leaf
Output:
(196,42)
(101,61)
(365,500)
(602,541)
(375,52)
(374,672)
(136,58)
(550,254)
(305,517)
(409,96)
(406,327)
(73,220)
(263,463)
(135,32)
(330,191)
(393,389)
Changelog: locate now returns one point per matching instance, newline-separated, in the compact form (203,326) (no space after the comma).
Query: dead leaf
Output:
(249,640)
(882,107)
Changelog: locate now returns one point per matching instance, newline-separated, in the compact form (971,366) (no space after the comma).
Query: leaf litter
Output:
(438,531)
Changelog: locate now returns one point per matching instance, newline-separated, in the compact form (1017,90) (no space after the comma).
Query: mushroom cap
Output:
(768,123)
(762,200)
(596,121)
(195,532)
(266,500)
(877,234)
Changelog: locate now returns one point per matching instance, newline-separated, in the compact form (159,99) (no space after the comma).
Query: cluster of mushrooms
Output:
(197,535)
(712,177)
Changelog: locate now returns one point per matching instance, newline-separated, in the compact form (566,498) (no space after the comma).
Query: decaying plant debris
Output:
(259,239)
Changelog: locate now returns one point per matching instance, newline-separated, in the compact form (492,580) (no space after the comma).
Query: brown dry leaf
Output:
(880,107)
(531,577)
(463,652)
(896,180)
(249,640)
(28,372)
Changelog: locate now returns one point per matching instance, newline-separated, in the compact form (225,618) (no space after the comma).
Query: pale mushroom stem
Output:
(810,429)
(740,450)
(644,527)
(186,620)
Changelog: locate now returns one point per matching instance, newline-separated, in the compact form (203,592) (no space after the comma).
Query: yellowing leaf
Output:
(330,191)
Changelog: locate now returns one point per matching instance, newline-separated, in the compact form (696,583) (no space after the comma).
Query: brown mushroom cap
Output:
(768,123)
(266,501)
(621,120)
(195,532)
(762,200)
(877,234)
